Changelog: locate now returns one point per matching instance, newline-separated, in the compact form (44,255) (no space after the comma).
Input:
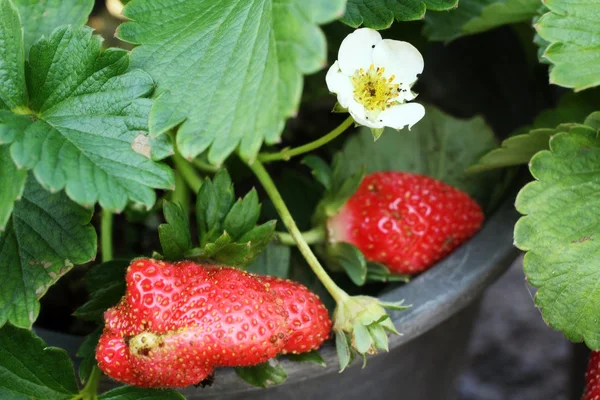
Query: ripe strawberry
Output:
(592,378)
(405,221)
(178,321)
(307,316)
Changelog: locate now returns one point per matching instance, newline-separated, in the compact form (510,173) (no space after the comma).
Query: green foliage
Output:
(558,232)
(439,146)
(13,183)
(274,261)
(227,230)
(105,284)
(87,353)
(45,236)
(82,123)
(474,16)
(311,356)
(13,91)
(319,169)
(349,258)
(175,236)
(30,370)
(571,37)
(379,14)
(380,273)
(240,74)
(262,375)
(136,393)
(40,18)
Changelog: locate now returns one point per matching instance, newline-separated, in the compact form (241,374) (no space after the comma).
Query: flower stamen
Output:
(373,90)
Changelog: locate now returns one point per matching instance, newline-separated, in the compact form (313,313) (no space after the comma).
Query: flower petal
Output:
(399,116)
(359,114)
(398,58)
(339,84)
(356,50)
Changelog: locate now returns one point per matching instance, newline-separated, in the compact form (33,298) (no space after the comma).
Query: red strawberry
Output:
(405,221)
(178,321)
(307,316)
(592,378)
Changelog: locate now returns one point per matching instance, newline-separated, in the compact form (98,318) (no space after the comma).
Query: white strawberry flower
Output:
(372,78)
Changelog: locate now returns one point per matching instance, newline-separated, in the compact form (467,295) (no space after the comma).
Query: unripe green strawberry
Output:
(405,221)
(307,316)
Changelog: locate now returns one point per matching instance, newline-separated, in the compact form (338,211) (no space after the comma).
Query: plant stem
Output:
(265,179)
(204,166)
(90,390)
(187,172)
(315,235)
(288,153)
(181,194)
(106,222)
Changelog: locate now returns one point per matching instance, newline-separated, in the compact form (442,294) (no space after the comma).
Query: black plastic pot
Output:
(422,364)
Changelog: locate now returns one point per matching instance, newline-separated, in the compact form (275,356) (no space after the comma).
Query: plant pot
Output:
(422,364)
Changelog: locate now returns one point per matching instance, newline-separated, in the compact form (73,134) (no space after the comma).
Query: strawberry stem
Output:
(265,179)
(187,172)
(288,153)
(106,220)
(314,236)
(90,390)
(181,194)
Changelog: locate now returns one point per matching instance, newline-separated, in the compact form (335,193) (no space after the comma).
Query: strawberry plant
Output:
(207,185)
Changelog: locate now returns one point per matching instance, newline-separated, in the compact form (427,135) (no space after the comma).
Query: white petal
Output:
(356,50)
(406,94)
(357,111)
(339,84)
(399,116)
(398,58)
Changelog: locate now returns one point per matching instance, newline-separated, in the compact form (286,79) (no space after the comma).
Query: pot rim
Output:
(435,295)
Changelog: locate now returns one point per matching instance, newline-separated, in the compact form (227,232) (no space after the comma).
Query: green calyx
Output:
(361,324)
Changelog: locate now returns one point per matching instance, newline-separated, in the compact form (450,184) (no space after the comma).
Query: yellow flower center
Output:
(373,90)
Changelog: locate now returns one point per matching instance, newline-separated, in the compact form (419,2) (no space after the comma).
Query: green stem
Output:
(181,194)
(187,172)
(204,166)
(90,390)
(106,223)
(314,236)
(288,153)
(263,176)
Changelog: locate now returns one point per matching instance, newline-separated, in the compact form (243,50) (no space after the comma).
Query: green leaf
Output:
(474,16)
(380,273)
(175,237)
(243,215)
(559,233)
(572,30)
(105,274)
(242,75)
(434,147)
(572,107)
(13,182)
(379,14)
(215,199)
(362,338)
(100,301)
(87,352)
(13,90)
(262,375)
(378,336)
(30,370)
(593,120)
(46,235)
(350,259)
(136,393)
(515,150)
(40,18)
(274,261)
(311,356)
(87,120)
(343,348)
(320,169)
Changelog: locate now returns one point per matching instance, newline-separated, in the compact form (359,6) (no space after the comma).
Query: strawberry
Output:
(307,316)
(405,221)
(179,321)
(592,378)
